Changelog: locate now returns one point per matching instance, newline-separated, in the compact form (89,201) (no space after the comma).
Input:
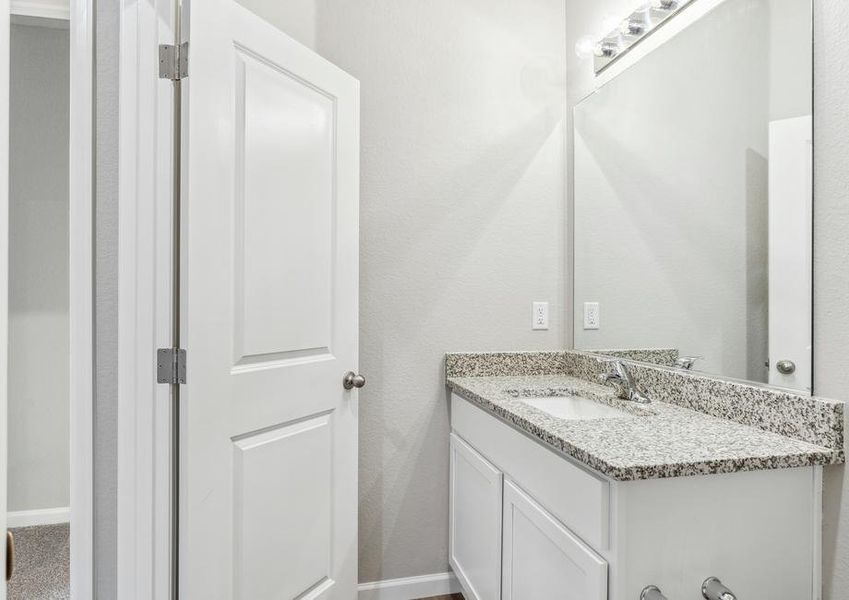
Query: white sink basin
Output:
(575,409)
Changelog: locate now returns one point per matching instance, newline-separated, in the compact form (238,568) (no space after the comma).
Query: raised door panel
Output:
(282,513)
(475,523)
(285,131)
(543,559)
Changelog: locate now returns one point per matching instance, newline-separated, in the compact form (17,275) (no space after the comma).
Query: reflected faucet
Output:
(686,362)
(622,379)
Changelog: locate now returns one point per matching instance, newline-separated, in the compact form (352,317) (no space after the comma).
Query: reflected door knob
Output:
(10,554)
(352,380)
(786,367)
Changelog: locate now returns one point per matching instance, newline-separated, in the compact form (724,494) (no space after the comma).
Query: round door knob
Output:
(786,367)
(352,380)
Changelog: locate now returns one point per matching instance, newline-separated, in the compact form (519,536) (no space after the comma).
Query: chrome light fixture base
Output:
(639,24)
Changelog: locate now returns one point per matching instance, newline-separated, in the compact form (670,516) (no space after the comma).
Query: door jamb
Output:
(144,313)
(81,186)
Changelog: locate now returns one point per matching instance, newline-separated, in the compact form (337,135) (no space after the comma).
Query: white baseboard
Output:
(45,516)
(410,588)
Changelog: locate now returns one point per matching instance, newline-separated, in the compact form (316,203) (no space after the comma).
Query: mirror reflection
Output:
(693,198)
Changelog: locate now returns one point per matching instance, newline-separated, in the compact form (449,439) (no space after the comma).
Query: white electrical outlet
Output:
(539,317)
(592,315)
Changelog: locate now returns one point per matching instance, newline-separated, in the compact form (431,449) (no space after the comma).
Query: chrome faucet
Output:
(686,362)
(622,379)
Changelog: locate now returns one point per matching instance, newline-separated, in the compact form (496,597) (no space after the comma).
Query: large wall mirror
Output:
(693,189)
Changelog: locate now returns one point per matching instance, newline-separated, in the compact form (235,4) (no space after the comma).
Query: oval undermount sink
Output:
(575,409)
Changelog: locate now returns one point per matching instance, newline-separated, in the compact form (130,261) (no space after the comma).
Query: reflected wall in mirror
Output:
(693,198)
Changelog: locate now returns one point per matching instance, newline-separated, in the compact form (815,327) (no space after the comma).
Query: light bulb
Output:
(607,48)
(632,26)
(585,47)
(665,4)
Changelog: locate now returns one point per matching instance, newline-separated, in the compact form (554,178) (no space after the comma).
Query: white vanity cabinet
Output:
(528,523)
(475,534)
(541,558)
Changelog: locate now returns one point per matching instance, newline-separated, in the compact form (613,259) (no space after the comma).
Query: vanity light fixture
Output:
(640,23)
(608,48)
(665,4)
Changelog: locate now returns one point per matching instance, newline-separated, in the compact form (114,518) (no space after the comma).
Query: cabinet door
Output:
(475,528)
(543,559)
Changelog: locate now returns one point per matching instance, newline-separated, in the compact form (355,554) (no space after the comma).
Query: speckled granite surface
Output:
(670,437)
(655,356)
(806,418)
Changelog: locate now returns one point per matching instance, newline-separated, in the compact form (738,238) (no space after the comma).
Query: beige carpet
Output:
(42,563)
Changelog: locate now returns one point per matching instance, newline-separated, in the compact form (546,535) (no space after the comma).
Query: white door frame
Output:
(82,298)
(144,312)
(4,266)
(81,294)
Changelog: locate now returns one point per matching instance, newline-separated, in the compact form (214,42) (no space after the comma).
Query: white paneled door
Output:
(268,491)
(790,246)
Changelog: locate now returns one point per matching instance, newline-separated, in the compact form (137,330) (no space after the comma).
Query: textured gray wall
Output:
(831,264)
(107,28)
(462,220)
(295,17)
(39,402)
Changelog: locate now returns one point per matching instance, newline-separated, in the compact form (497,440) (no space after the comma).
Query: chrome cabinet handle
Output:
(352,380)
(712,589)
(652,592)
(786,367)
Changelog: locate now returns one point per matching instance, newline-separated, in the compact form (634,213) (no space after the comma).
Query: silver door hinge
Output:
(171,366)
(174,61)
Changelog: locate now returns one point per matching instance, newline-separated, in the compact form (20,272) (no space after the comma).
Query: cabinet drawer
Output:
(576,497)
(475,522)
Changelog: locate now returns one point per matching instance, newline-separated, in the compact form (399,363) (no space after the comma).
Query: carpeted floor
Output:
(42,563)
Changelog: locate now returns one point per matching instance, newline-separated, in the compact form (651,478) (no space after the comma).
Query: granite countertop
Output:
(649,441)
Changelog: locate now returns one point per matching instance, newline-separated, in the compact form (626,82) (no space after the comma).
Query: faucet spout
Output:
(626,386)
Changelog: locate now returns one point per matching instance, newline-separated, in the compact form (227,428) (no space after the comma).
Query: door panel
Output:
(285,203)
(542,558)
(268,489)
(269,512)
(790,248)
